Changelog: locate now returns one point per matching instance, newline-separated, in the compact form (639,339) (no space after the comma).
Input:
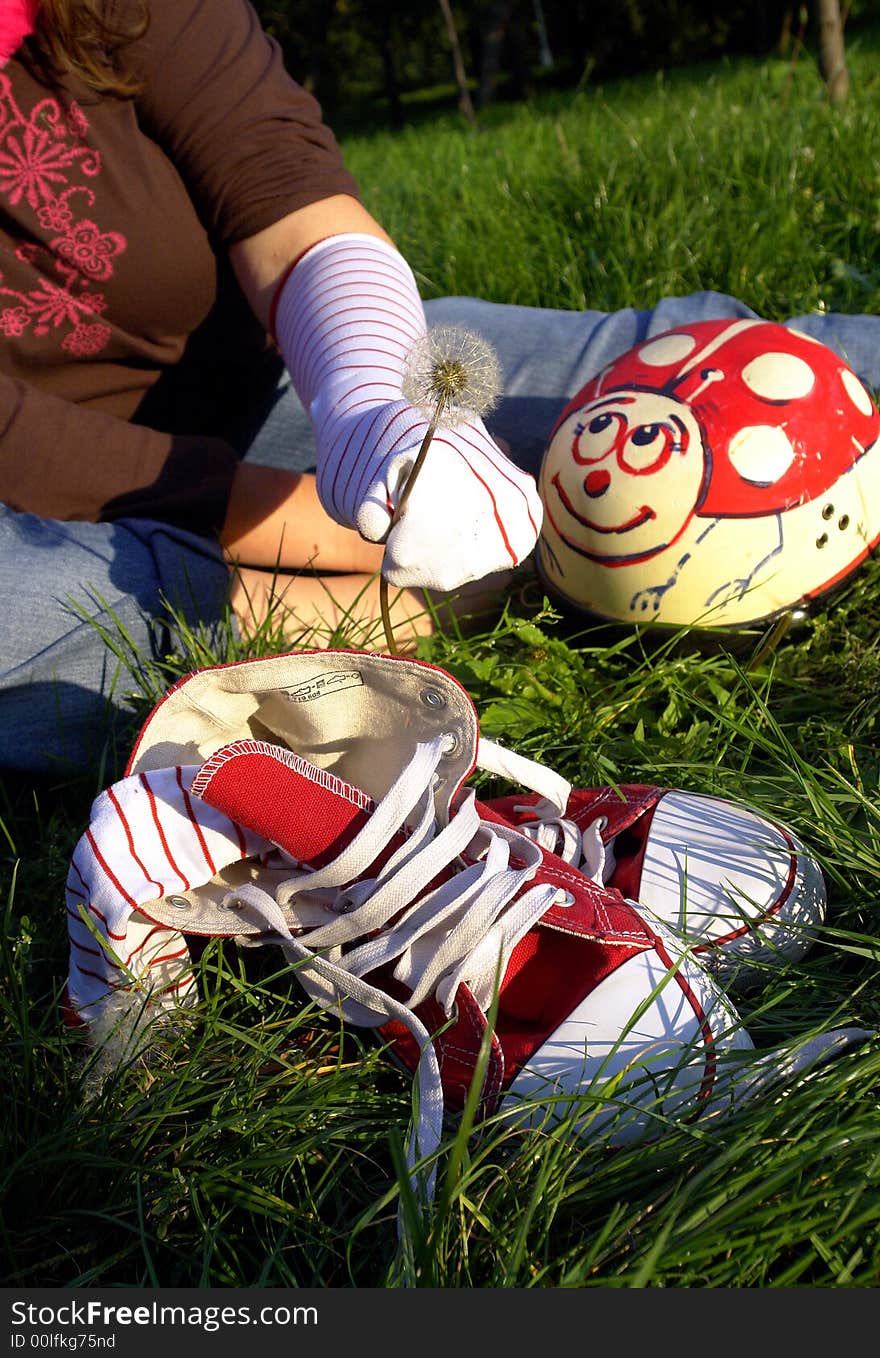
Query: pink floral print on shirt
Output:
(46,165)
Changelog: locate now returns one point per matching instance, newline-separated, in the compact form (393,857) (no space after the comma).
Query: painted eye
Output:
(595,437)
(648,448)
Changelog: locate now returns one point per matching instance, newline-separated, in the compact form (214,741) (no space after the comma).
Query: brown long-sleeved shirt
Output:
(115,216)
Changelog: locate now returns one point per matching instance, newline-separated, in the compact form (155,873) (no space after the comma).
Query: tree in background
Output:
(461,79)
(832,53)
(375,53)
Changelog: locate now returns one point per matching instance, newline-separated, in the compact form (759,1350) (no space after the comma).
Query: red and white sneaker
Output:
(740,890)
(317,802)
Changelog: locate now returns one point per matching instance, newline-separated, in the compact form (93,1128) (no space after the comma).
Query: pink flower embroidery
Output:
(94,302)
(77,121)
(86,340)
(45,160)
(13,320)
(31,165)
(55,216)
(51,305)
(89,250)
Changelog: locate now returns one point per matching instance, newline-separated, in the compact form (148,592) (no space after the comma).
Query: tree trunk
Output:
(832,55)
(543,41)
(319,77)
(464,97)
(494,36)
(388,47)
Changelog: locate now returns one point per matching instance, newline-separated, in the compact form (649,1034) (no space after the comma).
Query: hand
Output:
(472,512)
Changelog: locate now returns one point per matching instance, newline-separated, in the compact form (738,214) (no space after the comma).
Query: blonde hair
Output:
(85,38)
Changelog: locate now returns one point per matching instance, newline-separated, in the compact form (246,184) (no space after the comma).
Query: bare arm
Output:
(261,261)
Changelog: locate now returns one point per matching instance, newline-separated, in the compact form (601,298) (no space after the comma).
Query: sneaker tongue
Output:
(309,813)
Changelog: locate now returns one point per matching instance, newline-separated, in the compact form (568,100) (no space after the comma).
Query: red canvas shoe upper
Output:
(574,938)
(739,886)
(583,933)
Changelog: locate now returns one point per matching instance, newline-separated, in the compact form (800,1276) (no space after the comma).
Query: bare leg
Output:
(326,610)
(275,520)
(295,570)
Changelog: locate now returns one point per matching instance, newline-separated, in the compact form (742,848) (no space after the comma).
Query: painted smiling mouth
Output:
(642,515)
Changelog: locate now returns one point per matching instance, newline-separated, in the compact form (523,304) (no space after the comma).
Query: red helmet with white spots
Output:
(717,474)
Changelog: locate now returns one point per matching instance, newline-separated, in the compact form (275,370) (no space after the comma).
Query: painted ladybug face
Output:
(625,477)
(719,473)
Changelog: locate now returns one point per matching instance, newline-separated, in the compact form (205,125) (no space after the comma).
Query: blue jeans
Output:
(63,689)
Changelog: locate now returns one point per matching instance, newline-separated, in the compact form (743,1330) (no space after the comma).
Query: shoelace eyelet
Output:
(432,697)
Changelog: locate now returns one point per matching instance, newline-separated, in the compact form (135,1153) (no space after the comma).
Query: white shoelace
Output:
(583,849)
(463,930)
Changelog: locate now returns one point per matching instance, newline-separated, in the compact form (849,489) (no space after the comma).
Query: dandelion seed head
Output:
(454,370)
(121,1032)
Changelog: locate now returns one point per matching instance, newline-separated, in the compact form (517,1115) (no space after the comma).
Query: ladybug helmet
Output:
(718,474)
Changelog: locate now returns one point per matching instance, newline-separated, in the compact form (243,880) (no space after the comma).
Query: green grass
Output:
(738,178)
(262,1147)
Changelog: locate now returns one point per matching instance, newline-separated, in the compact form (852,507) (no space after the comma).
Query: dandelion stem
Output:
(419,462)
(398,510)
(386,616)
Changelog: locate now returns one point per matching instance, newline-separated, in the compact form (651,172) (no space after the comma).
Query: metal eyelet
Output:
(432,697)
(567,899)
(179,902)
